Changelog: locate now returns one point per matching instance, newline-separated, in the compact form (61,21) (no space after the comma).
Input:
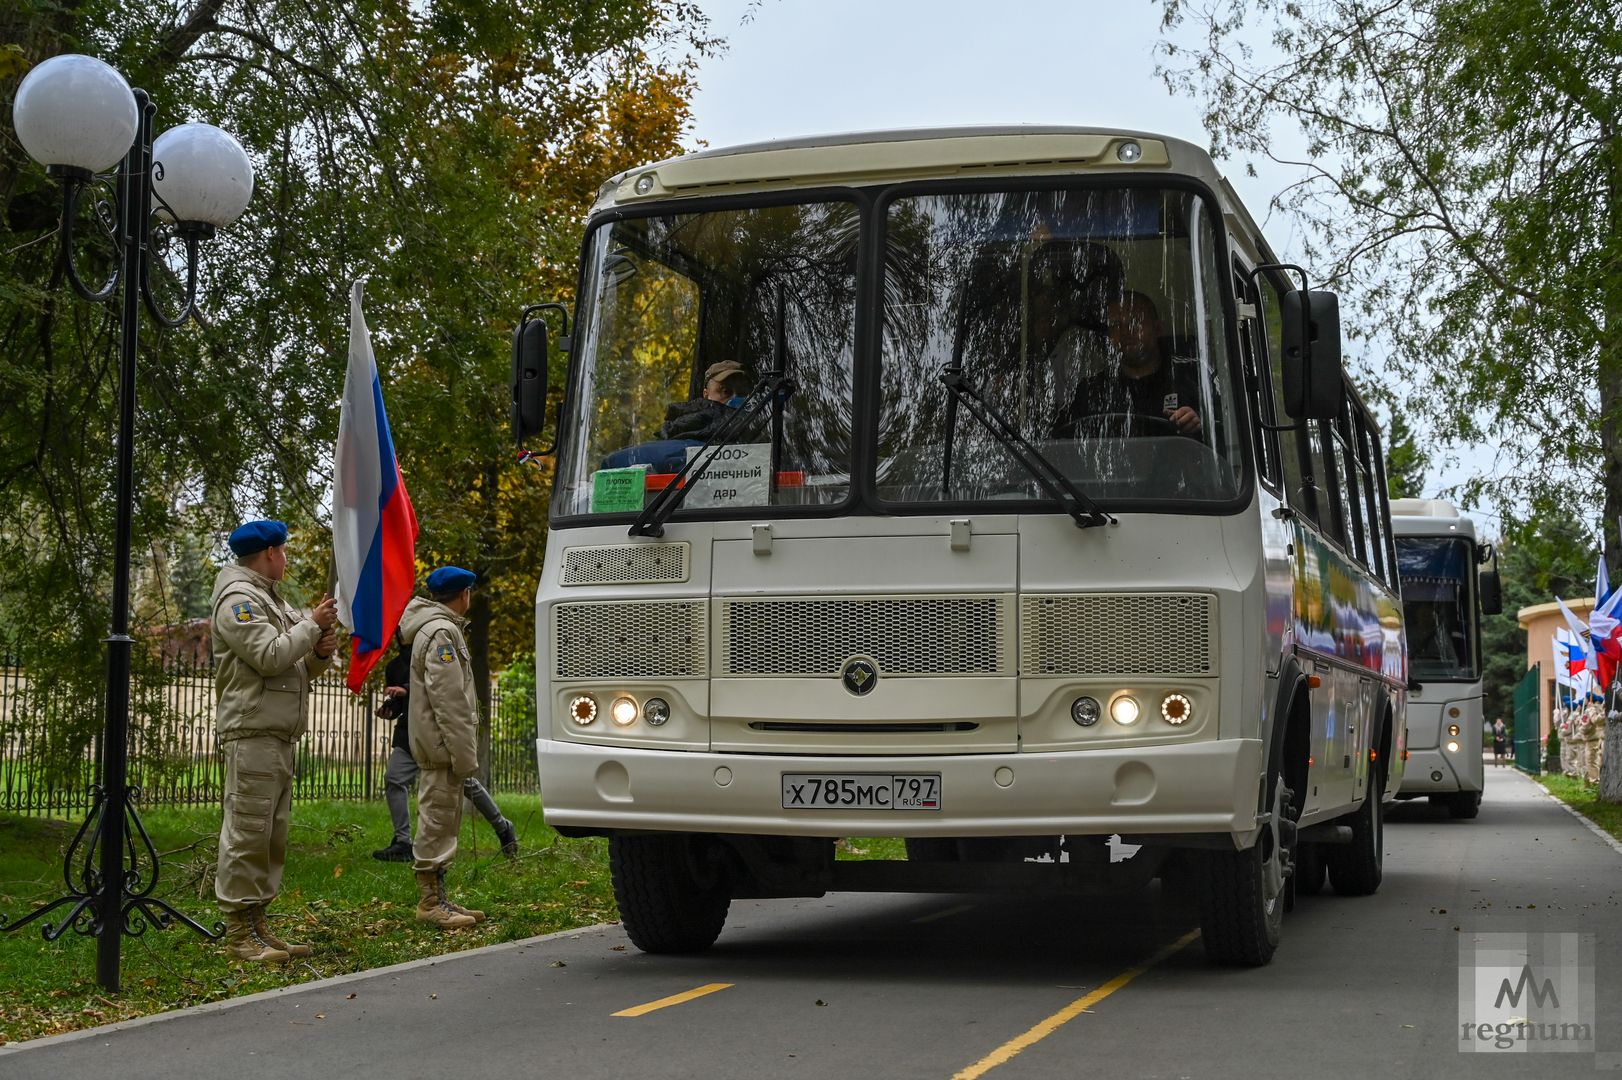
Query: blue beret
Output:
(450,579)
(255,536)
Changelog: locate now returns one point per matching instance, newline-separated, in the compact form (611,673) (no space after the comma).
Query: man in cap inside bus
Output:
(443,719)
(266,653)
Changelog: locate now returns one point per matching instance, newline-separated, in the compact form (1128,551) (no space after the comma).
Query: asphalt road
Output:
(944,986)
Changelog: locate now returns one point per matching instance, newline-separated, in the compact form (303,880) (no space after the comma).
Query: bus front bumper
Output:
(1436,772)
(1207,787)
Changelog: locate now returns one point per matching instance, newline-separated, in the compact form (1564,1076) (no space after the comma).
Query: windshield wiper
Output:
(1047,476)
(651,521)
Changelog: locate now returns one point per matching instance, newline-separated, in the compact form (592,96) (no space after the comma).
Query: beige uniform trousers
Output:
(1568,755)
(1591,756)
(253,834)
(439,819)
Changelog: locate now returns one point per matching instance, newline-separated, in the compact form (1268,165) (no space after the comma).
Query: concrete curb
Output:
(284,991)
(1614,844)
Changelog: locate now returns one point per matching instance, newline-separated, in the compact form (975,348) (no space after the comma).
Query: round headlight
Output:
(1085,711)
(644,183)
(1124,710)
(656,711)
(623,712)
(1176,709)
(583,709)
(1453,729)
(1453,748)
(1129,152)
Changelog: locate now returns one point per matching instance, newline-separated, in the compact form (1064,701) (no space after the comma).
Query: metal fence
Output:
(173,756)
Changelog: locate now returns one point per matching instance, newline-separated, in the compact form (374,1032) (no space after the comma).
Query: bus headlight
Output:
(623,712)
(1453,748)
(1176,709)
(583,710)
(1124,710)
(1085,711)
(656,711)
(1453,729)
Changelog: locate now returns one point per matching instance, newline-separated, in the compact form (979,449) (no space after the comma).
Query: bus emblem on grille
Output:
(859,676)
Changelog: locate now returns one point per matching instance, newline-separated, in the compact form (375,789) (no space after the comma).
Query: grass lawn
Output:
(1584,799)
(355,911)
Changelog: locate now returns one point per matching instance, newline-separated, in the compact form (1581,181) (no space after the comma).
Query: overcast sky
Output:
(804,67)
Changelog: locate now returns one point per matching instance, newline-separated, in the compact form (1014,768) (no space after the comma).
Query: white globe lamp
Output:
(201,174)
(76,113)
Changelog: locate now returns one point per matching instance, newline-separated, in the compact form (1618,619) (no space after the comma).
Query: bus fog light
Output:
(1129,152)
(1453,729)
(583,709)
(1453,748)
(1176,709)
(644,183)
(623,712)
(656,711)
(1124,710)
(1085,711)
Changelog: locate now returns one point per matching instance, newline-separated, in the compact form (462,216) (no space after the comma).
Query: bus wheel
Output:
(1240,917)
(1309,869)
(671,891)
(1464,804)
(931,849)
(1356,868)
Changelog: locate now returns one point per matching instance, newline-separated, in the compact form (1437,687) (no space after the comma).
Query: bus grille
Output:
(1117,634)
(622,564)
(631,640)
(939,635)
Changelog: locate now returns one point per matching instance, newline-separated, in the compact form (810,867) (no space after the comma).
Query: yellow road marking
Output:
(945,914)
(673,999)
(1005,1053)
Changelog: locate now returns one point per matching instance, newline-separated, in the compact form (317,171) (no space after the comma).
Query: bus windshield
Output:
(1091,318)
(684,315)
(1438,606)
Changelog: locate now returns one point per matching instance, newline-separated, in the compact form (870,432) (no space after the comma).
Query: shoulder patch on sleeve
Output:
(445,654)
(242,612)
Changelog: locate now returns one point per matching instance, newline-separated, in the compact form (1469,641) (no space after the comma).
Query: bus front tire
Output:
(1464,805)
(1239,921)
(1355,869)
(671,891)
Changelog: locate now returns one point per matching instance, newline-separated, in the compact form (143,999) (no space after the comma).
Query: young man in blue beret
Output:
(444,723)
(265,656)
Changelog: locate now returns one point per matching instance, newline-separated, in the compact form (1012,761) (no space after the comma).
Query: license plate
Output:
(861,791)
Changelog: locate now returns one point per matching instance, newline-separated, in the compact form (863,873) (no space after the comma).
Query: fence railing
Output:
(174,757)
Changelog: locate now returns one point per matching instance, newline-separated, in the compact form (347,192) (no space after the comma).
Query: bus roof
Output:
(871,157)
(1429,517)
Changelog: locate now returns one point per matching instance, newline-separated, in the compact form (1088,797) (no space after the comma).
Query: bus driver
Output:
(1137,382)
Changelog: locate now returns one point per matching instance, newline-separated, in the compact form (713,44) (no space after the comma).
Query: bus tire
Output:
(1464,805)
(1355,869)
(931,849)
(671,892)
(1239,922)
(1309,869)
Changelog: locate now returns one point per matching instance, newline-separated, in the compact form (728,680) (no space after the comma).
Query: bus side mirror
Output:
(1310,322)
(529,379)
(1487,583)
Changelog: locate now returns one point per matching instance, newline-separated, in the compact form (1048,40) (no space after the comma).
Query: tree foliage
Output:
(446,149)
(1461,184)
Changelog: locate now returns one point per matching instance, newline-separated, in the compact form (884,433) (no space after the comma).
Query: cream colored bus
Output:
(991,488)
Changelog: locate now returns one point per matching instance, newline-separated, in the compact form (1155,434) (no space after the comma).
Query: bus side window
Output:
(1377,456)
(1371,502)
(1258,394)
(1321,451)
(1299,485)
(1349,478)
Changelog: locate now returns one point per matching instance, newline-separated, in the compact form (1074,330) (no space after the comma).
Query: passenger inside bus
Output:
(1136,390)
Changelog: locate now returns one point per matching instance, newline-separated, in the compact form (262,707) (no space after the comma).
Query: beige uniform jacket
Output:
(264,658)
(444,713)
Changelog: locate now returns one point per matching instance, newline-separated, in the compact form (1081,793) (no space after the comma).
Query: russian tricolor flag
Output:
(374,530)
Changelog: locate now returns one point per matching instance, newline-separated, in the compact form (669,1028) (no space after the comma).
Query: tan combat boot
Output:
(244,942)
(477,916)
(432,909)
(261,923)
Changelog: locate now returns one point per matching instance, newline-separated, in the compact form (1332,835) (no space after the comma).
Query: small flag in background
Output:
(374,529)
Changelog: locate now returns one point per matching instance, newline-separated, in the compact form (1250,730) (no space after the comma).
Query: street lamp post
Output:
(78,117)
